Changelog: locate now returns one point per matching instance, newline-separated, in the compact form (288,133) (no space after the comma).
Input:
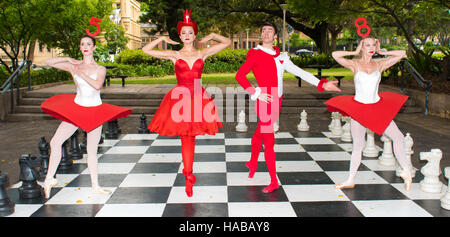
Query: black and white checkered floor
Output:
(144,173)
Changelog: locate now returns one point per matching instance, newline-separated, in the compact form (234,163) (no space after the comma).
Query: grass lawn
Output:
(227,78)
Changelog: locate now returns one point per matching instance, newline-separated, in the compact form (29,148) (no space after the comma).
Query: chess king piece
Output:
(431,171)
(303,125)
(29,176)
(7,207)
(241,127)
(370,150)
(387,157)
(408,150)
(445,200)
(346,130)
(44,155)
(143,125)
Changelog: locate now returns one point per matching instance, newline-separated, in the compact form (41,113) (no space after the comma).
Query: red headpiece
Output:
(187,21)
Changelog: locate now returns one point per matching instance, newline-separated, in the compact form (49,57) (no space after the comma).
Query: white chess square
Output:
(385,208)
(112,168)
(216,136)
(149,180)
(210,149)
(375,166)
(416,193)
(79,196)
(260,209)
(132,210)
(242,179)
(288,148)
(283,135)
(151,136)
(314,193)
(127,150)
(241,156)
(362,177)
(238,141)
(329,155)
(314,140)
(207,167)
(24,210)
(166,142)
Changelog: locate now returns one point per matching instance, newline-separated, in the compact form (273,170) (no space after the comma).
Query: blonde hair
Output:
(359,56)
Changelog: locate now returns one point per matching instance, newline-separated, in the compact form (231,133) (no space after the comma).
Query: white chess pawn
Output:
(387,157)
(445,200)
(370,150)
(276,126)
(408,152)
(431,171)
(303,125)
(241,127)
(336,129)
(331,125)
(346,132)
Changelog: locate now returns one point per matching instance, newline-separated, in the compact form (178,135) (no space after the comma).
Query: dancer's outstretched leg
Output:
(398,140)
(358,135)
(187,152)
(93,138)
(63,132)
(257,140)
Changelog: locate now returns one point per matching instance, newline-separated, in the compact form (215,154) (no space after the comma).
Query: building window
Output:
(40,47)
(253,44)
(235,45)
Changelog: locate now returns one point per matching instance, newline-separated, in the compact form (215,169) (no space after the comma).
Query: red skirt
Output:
(184,114)
(64,108)
(376,116)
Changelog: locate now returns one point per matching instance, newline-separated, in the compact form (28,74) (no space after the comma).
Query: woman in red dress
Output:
(187,110)
(368,108)
(84,110)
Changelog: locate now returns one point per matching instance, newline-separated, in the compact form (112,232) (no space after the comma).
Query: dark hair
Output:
(90,37)
(268,23)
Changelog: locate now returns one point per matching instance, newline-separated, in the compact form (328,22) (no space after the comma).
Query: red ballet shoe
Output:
(270,188)
(251,168)
(190,180)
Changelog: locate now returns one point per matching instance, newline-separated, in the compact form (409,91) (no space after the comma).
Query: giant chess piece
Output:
(303,125)
(431,171)
(408,152)
(241,126)
(346,130)
(111,132)
(370,150)
(83,144)
(28,175)
(387,157)
(66,161)
(276,126)
(331,125)
(75,152)
(336,129)
(7,207)
(116,127)
(45,156)
(445,200)
(143,125)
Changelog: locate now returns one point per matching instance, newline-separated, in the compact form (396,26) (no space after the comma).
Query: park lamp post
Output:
(247,37)
(284,6)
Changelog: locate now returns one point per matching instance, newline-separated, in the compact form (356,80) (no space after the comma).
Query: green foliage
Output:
(231,56)
(136,56)
(320,59)
(38,77)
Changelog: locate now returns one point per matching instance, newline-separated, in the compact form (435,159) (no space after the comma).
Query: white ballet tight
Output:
(358,135)
(64,132)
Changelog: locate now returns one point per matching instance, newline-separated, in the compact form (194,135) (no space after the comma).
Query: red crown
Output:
(187,15)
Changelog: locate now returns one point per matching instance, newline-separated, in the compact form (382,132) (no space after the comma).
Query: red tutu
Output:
(64,108)
(376,116)
(183,114)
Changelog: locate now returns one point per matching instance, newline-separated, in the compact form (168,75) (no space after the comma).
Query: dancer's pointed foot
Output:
(344,186)
(406,176)
(252,169)
(270,188)
(49,183)
(190,180)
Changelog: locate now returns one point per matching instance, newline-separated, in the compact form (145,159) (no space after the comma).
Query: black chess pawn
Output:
(6,205)
(30,189)
(84,143)
(143,125)
(111,131)
(44,155)
(75,152)
(66,161)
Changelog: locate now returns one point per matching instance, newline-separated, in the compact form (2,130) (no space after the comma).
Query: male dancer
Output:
(268,66)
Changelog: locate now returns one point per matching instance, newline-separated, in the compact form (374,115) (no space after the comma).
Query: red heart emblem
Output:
(281,61)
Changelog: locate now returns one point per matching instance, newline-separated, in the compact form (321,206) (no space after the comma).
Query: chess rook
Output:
(370,150)
(387,157)
(445,200)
